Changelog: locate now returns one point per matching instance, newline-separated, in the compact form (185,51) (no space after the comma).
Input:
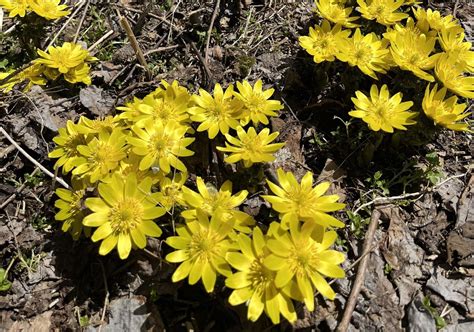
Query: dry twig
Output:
(79,26)
(359,280)
(18,191)
(30,158)
(209,31)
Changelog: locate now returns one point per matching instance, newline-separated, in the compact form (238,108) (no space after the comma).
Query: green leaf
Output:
(5,284)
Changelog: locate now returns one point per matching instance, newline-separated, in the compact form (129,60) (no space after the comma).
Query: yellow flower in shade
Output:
(382,112)
(10,84)
(257,105)
(454,45)
(169,103)
(410,31)
(102,155)
(451,73)
(131,110)
(68,141)
(367,52)
(201,247)
(251,147)
(130,165)
(444,112)
(211,201)
(432,19)
(218,113)
(321,41)
(79,74)
(33,75)
(171,193)
(301,262)
(413,54)
(102,124)
(49,9)
(124,215)
(254,283)
(64,58)
(336,12)
(71,210)
(15,7)
(383,11)
(301,202)
(161,145)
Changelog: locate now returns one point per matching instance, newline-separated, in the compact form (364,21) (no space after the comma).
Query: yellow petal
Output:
(208,277)
(177,256)
(102,232)
(124,245)
(196,271)
(95,219)
(149,228)
(138,238)
(182,271)
(108,244)
(240,296)
(238,261)
(238,280)
(255,306)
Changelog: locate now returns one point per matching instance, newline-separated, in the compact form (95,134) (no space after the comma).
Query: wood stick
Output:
(360,277)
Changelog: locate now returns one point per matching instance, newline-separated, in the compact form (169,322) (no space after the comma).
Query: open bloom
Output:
(201,247)
(171,191)
(301,262)
(412,53)
(336,12)
(382,112)
(161,145)
(71,210)
(257,105)
(211,201)
(383,11)
(68,141)
(321,41)
(49,9)
(15,7)
(367,52)
(444,112)
(451,73)
(301,202)
(101,155)
(454,45)
(124,214)
(251,147)
(64,57)
(216,114)
(254,283)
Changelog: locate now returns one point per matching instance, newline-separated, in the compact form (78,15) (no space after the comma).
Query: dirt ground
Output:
(421,267)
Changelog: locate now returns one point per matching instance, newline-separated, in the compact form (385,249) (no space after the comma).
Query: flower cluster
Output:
(70,61)
(48,9)
(422,42)
(129,171)
(268,271)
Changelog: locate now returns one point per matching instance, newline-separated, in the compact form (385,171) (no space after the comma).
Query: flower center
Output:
(363,54)
(303,258)
(126,215)
(104,153)
(259,275)
(204,244)
(160,144)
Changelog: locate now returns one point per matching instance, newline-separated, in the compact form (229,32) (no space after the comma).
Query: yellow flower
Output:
(71,211)
(201,247)
(171,191)
(300,262)
(427,19)
(15,7)
(102,155)
(79,74)
(33,75)
(383,11)
(250,147)
(367,52)
(10,84)
(444,112)
(169,103)
(161,145)
(211,201)
(68,141)
(64,58)
(49,9)
(105,124)
(218,113)
(334,11)
(321,42)
(257,105)
(450,72)
(382,112)
(130,165)
(254,283)
(409,29)
(301,202)
(412,53)
(131,110)
(454,45)
(124,214)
